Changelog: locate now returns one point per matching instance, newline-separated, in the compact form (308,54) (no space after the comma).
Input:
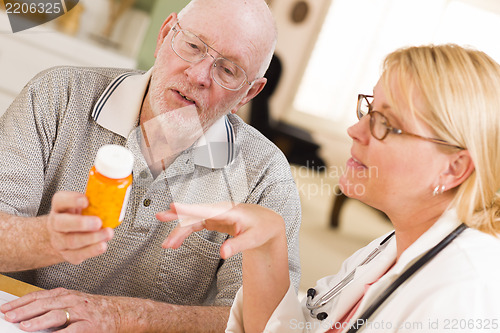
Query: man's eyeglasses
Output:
(380,126)
(191,48)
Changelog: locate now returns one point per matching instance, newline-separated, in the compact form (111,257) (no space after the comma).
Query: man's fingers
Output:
(62,310)
(21,301)
(29,302)
(27,312)
(75,223)
(76,257)
(53,318)
(65,201)
(41,310)
(79,240)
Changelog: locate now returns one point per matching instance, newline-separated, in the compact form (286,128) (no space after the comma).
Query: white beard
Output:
(170,133)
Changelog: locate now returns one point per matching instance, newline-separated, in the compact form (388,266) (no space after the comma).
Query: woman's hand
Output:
(259,233)
(251,226)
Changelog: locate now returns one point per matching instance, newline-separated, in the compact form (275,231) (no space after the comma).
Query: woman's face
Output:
(396,172)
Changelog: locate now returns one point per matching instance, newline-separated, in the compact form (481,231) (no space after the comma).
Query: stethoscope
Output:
(337,289)
(332,293)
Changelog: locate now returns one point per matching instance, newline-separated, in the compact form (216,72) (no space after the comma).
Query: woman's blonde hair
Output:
(458,94)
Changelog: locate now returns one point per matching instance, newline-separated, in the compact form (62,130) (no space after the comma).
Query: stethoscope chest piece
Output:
(311,292)
(312,306)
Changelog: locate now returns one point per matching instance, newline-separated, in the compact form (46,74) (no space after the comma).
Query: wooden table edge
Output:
(16,287)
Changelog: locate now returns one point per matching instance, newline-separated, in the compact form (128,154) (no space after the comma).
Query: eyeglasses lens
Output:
(188,46)
(228,74)
(192,49)
(378,125)
(363,106)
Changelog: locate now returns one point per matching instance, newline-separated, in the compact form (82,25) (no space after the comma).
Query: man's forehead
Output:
(224,40)
(240,30)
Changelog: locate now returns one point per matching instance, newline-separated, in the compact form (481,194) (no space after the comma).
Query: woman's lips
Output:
(354,163)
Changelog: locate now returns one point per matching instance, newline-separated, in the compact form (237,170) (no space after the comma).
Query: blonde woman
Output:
(431,130)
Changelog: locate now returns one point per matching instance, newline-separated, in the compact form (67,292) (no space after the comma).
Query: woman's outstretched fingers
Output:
(180,233)
(245,222)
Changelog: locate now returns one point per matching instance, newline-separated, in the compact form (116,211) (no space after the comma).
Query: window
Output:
(357,34)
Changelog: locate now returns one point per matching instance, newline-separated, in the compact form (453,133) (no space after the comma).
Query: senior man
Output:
(178,120)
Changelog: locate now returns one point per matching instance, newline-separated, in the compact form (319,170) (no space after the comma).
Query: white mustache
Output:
(190,93)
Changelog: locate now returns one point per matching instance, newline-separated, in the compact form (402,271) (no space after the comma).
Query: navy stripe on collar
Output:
(230,140)
(108,92)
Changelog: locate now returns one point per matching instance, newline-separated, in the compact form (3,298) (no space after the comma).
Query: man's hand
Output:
(47,309)
(109,314)
(75,237)
(62,235)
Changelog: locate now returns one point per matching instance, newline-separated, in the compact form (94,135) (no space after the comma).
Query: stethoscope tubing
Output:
(405,276)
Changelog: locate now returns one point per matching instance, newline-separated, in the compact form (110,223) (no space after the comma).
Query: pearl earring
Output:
(438,190)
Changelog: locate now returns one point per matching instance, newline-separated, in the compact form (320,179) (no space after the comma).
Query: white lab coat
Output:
(457,291)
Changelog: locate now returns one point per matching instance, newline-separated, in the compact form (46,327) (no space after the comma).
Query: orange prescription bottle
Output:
(108,187)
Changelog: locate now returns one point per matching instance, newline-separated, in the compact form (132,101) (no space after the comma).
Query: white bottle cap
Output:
(114,161)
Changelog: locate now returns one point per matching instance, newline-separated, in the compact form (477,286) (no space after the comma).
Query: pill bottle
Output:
(108,187)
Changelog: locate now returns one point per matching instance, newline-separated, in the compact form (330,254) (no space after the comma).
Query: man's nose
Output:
(200,73)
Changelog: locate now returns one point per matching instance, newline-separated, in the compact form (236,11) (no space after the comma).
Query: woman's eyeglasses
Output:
(380,126)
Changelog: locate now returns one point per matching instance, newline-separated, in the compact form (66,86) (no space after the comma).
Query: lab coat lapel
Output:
(445,224)
(365,274)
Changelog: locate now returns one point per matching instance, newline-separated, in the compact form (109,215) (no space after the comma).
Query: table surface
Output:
(16,287)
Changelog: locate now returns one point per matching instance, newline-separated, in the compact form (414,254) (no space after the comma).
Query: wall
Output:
(295,42)
(161,10)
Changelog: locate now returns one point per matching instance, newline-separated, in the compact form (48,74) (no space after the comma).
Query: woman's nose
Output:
(360,131)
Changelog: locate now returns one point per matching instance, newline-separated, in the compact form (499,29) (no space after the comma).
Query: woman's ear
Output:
(459,169)
(164,30)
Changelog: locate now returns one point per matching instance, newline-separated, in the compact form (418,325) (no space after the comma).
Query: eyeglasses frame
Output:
(389,127)
(177,31)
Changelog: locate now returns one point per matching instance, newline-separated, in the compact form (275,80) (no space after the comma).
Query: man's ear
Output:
(164,30)
(459,169)
(256,88)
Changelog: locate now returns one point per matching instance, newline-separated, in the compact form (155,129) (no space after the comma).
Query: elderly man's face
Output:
(177,83)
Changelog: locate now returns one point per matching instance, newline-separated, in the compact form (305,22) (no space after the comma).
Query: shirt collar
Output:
(118,110)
